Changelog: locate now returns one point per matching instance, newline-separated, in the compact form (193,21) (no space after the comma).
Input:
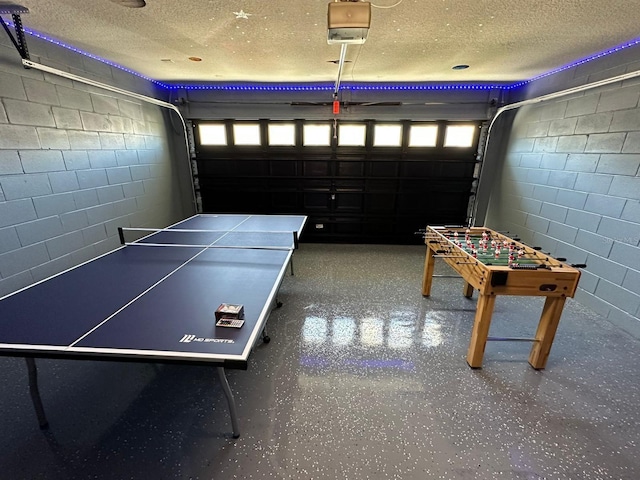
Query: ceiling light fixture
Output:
(459,67)
(131,3)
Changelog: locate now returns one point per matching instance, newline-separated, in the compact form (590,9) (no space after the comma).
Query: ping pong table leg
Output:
(35,392)
(231,401)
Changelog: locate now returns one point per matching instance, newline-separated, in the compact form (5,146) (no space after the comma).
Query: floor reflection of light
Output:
(314,330)
(400,333)
(432,331)
(372,331)
(343,330)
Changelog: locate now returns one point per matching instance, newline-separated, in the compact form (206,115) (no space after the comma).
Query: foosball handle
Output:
(579,265)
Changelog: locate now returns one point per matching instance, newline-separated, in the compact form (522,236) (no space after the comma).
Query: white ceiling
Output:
(285,40)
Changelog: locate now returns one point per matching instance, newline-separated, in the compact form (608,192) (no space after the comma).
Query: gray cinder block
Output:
(626,254)
(10,162)
(15,262)
(18,137)
(571,198)
(36,161)
(65,244)
(9,240)
(76,159)
(593,243)
(95,122)
(74,98)
(53,138)
(582,105)
(596,123)
(92,178)
(67,118)
(619,99)
(63,181)
(113,141)
(604,205)
(102,158)
(27,113)
(39,230)
(126,157)
(582,162)
(571,144)
(605,143)
(119,175)
(618,163)
(16,211)
(583,220)
(40,92)
(80,140)
(632,143)
(623,186)
(24,186)
(51,205)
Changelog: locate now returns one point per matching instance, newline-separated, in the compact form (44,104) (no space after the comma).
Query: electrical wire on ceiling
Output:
(388,6)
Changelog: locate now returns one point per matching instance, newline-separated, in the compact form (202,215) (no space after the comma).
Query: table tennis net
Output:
(175,237)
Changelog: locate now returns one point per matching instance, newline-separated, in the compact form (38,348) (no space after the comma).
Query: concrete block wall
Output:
(570,183)
(76,162)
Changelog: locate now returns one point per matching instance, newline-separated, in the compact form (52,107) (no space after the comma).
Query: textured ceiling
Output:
(285,40)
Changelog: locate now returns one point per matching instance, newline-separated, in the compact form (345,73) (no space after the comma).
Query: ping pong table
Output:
(154,299)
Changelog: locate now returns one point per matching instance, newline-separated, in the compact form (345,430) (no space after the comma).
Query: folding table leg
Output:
(230,400)
(35,392)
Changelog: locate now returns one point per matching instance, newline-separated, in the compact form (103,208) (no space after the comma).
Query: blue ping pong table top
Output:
(156,303)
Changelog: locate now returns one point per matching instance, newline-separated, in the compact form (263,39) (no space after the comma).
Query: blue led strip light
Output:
(604,53)
(257,87)
(39,35)
(329,87)
(244,87)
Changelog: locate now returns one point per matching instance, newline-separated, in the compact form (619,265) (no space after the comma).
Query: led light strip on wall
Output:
(329,87)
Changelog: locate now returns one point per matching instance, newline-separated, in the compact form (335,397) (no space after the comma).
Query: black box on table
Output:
(230,310)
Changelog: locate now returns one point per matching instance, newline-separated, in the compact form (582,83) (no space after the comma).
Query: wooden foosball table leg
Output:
(427,278)
(546,332)
(481,325)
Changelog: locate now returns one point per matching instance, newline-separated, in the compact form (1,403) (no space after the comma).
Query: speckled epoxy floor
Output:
(363,379)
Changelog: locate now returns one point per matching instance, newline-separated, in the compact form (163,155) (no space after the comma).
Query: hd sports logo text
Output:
(193,338)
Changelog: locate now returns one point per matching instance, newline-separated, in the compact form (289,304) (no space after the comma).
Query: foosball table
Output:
(495,264)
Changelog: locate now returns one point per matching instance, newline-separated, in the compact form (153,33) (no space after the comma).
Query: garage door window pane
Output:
(212,134)
(317,135)
(282,134)
(246,134)
(459,136)
(387,136)
(352,135)
(423,135)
